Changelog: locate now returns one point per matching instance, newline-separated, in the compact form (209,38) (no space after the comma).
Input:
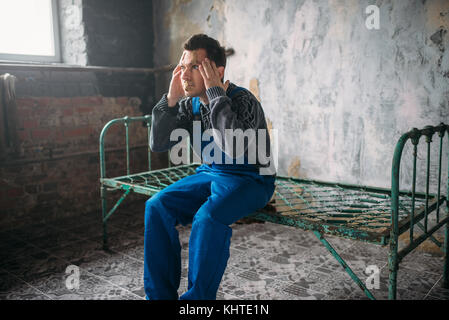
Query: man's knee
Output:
(205,219)
(157,210)
(150,203)
(153,207)
(157,200)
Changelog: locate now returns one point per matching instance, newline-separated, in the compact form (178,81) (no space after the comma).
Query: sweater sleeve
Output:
(243,112)
(164,120)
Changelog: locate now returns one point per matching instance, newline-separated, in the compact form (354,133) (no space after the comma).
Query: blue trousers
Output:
(211,200)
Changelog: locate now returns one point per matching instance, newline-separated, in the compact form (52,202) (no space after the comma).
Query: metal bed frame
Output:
(369,214)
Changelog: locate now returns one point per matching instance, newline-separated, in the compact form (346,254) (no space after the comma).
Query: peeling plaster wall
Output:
(73,36)
(339,94)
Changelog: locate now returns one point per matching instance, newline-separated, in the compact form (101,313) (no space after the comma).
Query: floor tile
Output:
(131,223)
(15,249)
(271,245)
(53,239)
(357,263)
(90,287)
(324,282)
(267,261)
(438,291)
(422,261)
(88,231)
(119,239)
(79,252)
(368,250)
(300,292)
(34,231)
(119,270)
(76,221)
(5,237)
(420,283)
(11,288)
(242,286)
(136,252)
(244,232)
(401,294)
(36,267)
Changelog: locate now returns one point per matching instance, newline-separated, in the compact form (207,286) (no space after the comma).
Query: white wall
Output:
(339,94)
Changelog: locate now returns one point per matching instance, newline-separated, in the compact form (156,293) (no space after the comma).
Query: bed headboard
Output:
(433,202)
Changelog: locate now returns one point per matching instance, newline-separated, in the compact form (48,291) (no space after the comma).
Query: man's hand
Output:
(212,75)
(175,91)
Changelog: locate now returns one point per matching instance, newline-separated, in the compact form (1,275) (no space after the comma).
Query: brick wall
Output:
(60,114)
(56,173)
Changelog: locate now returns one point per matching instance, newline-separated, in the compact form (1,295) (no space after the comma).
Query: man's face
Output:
(192,81)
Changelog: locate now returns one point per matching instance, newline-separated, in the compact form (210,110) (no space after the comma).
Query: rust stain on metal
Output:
(427,246)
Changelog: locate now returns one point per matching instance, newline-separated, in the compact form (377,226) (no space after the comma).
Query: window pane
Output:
(26,27)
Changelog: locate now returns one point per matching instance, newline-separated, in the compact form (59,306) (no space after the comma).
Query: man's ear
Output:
(221,70)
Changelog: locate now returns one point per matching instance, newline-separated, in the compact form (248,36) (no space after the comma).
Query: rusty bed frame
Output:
(369,214)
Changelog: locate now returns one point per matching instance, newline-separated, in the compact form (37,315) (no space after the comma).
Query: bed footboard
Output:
(414,218)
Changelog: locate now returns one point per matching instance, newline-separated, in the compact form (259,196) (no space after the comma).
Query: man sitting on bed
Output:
(223,190)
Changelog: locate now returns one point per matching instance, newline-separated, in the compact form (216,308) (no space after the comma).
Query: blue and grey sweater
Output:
(238,110)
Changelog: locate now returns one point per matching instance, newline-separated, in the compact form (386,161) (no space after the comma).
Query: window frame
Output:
(30,58)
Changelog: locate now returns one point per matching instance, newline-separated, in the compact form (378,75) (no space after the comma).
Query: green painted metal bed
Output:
(369,214)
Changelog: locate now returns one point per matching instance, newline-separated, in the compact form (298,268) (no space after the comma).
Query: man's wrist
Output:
(171,101)
(215,92)
(163,106)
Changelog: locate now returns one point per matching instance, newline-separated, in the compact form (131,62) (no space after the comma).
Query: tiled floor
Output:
(267,261)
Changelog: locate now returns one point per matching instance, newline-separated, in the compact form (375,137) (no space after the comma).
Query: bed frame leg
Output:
(343,263)
(104,220)
(446,257)
(393,266)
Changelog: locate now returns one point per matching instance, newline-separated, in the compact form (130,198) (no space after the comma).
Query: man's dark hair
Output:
(214,51)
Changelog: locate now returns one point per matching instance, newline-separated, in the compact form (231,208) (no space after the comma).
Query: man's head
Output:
(196,49)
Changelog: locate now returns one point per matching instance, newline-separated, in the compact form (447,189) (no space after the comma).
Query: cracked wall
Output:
(339,94)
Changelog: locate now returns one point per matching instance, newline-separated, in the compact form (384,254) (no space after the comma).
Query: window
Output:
(29,30)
